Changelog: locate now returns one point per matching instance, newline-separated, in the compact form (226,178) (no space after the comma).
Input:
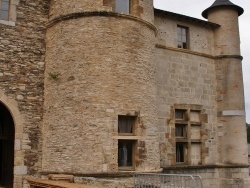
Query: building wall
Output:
(185,78)
(201,37)
(105,68)
(99,67)
(22,59)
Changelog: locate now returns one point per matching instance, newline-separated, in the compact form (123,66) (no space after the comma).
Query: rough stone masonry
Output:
(102,89)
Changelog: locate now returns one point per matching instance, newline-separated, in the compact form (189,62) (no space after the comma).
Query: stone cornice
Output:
(189,167)
(229,56)
(77,15)
(187,51)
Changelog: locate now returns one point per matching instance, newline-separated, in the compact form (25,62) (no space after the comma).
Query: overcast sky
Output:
(194,8)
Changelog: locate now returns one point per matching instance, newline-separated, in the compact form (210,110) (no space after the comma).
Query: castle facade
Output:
(106,88)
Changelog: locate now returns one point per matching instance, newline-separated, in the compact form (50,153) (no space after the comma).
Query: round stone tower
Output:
(231,109)
(100,90)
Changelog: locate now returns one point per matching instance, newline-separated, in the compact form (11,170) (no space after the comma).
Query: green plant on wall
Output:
(54,75)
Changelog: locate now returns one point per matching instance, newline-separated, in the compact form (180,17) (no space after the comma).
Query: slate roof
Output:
(222,3)
(185,18)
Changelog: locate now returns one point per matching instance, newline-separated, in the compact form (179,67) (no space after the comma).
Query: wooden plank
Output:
(54,184)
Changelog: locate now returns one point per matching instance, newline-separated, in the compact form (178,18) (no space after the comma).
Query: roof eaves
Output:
(189,19)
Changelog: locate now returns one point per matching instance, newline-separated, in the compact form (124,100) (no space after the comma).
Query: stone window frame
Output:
(186,141)
(12,14)
(135,8)
(21,139)
(130,137)
(183,40)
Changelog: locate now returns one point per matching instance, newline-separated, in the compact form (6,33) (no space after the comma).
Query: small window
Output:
(126,125)
(182,37)
(180,114)
(180,131)
(4,9)
(122,6)
(125,153)
(180,152)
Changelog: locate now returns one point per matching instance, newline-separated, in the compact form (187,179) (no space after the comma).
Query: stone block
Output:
(20,170)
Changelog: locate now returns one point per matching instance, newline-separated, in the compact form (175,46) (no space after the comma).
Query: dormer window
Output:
(122,6)
(4,9)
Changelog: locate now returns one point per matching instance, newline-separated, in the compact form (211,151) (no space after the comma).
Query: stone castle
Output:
(106,88)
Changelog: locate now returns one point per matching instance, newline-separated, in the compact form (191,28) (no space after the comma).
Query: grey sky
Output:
(194,8)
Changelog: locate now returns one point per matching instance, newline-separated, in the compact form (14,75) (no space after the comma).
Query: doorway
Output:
(7,137)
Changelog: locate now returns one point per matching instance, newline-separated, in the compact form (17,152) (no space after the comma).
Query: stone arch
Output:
(19,168)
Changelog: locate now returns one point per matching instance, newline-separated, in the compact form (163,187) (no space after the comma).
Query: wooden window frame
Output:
(180,37)
(183,113)
(131,138)
(186,139)
(132,155)
(184,153)
(133,119)
(184,130)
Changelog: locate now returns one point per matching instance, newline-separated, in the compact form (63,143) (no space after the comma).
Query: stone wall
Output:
(98,68)
(218,176)
(186,79)
(139,8)
(201,38)
(22,49)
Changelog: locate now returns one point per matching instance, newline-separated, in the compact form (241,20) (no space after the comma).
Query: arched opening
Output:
(7,137)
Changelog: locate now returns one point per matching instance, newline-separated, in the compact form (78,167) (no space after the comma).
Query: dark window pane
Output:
(126,124)
(5,5)
(180,114)
(122,6)
(125,153)
(4,15)
(180,130)
(184,45)
(180,152)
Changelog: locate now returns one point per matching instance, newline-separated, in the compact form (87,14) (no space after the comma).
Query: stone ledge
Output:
(61,177)
(188,167)
(98,13)
(54,184)
(100,175)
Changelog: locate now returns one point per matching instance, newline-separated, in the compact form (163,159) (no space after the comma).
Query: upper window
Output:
(122,6)
(4,9)
(182,37)
(8,12)
(180,114)
(126,125)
